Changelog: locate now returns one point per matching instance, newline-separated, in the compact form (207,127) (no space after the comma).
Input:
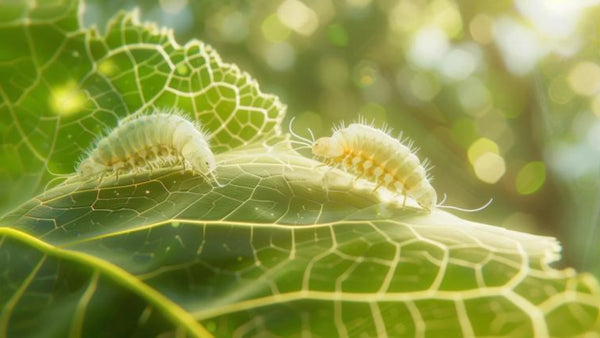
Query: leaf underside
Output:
(285,247)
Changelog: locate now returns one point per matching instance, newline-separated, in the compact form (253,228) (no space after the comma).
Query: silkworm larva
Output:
(373,154)
(146,141)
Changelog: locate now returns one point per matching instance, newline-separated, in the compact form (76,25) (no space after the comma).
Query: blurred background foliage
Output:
(502,96)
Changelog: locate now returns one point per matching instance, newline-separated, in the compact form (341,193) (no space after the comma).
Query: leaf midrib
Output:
(174,312)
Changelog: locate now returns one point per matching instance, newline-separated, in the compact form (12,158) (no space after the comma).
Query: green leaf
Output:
(286,246)
(62,86)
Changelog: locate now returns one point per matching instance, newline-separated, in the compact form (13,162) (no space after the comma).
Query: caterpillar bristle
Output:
(145,141)
(360,143)
(386,128)
(341,125)
(426,163)
(294,134)
(351,148)
(441,206)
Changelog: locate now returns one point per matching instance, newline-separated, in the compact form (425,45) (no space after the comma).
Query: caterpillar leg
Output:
(324,163)
(379,181)
(346,163)
(148,165)
(357,177)
(100,179)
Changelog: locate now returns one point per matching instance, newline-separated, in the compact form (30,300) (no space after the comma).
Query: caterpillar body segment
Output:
(373,154)
(146,141)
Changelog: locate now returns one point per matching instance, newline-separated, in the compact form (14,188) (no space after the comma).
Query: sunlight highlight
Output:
(481,146)
(487,163)
(489,167)
(584,78)
(67,99)
(107,67)
(531,178)
(298,17)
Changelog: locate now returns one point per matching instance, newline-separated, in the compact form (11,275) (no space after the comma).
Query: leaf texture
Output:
(286,247)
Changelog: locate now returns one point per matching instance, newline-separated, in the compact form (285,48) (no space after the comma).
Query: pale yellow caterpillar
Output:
(373,154)
(147,141)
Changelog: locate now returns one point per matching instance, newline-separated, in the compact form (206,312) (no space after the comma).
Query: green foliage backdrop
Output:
(502,96)
(285,247)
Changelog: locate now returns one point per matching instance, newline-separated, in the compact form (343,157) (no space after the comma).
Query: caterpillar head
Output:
(326,147)
(202,162)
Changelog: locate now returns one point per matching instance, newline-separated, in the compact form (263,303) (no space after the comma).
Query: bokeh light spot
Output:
(530,178)
(484,156)
(404,17)
(557,19)
(445,14)
(172,6)
(273,30)
(173,15)
(280,56)
(480,147)
(364,74)
(593,136)
(473,94)
(492,124)
(423,87)
(429,47)
(298,17)
(489,167)
(458,64)
(337,35)
(518,44)
(67,99)
(596,105)
(584,78)
(233,26)
(481,28)
(107,67)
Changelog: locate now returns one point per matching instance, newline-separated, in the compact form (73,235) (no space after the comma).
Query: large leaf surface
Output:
(62,86)
(285,247)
